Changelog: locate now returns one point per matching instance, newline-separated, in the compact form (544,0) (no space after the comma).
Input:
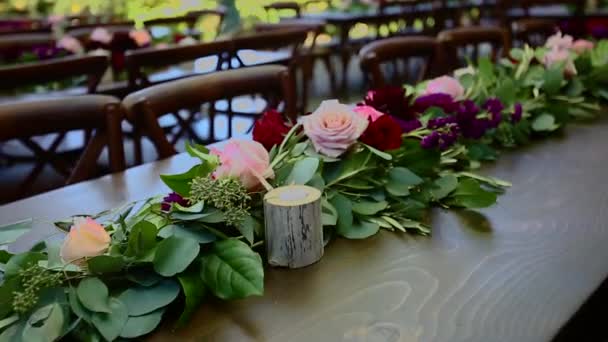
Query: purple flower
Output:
(443,101)
(408,126)
(441,122)
(517,114)
(173,198)
(430,141)
(467,111)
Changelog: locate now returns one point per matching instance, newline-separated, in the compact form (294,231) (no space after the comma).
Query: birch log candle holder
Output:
(294,230)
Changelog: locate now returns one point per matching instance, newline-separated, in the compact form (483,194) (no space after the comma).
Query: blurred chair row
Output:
(101,117)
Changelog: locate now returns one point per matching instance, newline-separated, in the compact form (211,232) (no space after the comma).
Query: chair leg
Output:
(331,73)
(346,55)
(212,122)
(137,148)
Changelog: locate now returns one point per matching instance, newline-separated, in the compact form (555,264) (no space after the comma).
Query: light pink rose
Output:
(70,44)
(581,46)
(333,128)
(558,56)
(101,35)
(86,239)
(445,85)
(368,113)
(246,160)
(559,42)
(141,37)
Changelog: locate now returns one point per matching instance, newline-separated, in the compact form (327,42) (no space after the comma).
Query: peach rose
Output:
(558,56)
(141,37)
(70,44)
(333,128)
(101,35)
(444,85)
(559,42)
(368,113)
(246,160)
(86,239)
(581,46)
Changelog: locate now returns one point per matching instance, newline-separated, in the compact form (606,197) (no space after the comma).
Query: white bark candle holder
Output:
(294,230)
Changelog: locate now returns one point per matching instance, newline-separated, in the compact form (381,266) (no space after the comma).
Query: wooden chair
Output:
(189,20)
(283,6)
(459,44)
(26,121)
(289,41)
(373,55)
(532,31)
(219,12)
(13,45)
(145,107)
(579,5)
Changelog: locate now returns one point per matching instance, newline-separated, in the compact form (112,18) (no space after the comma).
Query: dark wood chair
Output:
(288,41)
(145,107)
(283,6)
(459,44)
(374,55)
(32,122)
(13,45)
(532,31)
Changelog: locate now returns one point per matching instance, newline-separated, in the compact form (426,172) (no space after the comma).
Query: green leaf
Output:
(142,239)
(11,232)
(247,228)
(553,79)
(7,290)
(76,306)
(93,294)
(141,325)
(110,325)
(194,209)
(181,183)
(507,91)
(144,277)
(400,180)
(209,161)
(482,152)
(544,123)
(5,256)
(486,70)
(141,300)
(194,291)
(106,264)
(191,230)
(233,270)
(45,324)
(329,214)
(470,194)
(368,207)
(174,255)
(444,186)
(303,171)
(346,168)
(344,207)
(379,153)
(8,321)
(360,229)
(21,261)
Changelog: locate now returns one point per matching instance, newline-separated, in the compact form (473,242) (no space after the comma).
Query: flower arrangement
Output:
(381,165)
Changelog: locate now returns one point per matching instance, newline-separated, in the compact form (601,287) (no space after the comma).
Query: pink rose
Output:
(581,46)
(333,128)
(559,42)
(101,35)
(558,56)
(70,44)
(86,239)
(141,37)
(246,160)
(444,85)
(368,113)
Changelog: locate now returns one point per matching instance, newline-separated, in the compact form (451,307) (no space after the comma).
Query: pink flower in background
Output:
(333,128)
(444,85)
(246,160)
(368,113)
(86,239)
(101,35)
(560,42)
(581,46)
(141,37)
(70,44)
(558,56)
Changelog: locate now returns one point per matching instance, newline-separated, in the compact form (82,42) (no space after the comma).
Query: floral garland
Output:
(380,165)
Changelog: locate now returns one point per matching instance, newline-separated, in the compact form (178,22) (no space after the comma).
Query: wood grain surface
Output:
(514,272)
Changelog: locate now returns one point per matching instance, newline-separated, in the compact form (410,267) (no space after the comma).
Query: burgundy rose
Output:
(392,101)
(440,100)
(383,134)
(173,198)
(270,129)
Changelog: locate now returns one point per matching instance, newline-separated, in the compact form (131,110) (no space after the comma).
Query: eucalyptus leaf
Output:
(444,186)
(45,324)
(174,255)
(368,207)
(544,122)
(194,291)
(8,321)
(110,324)
(232,270)
(77,308)
(11,232)
(196,208)
(303,171)
(360,229)
(142,239)
(21,261)
(192,230)
(93,294)
(344,207)
(106,264)
(470,194)
(141,300)
(248,228)
(141,325)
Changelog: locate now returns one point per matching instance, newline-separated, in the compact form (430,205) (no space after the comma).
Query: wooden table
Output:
(517,271)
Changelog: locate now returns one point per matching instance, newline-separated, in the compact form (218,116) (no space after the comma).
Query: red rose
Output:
(270,129)
(391,100)
(383,134)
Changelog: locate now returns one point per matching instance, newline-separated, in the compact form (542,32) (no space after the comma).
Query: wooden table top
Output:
(514,272)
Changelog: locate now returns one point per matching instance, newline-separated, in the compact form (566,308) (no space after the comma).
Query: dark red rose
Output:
(392,101)
(178,37)
(383,134)
(270,129)
(173,198)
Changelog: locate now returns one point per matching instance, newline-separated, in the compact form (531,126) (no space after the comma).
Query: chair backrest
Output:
(189,20)
(579,5)
(138,60)
(465,42)
(374,54)
(532,31)
(291,6)
(313,27)
(92,66)
(12,45)
(146,106)
(83,32)
(102,114)
(291,39)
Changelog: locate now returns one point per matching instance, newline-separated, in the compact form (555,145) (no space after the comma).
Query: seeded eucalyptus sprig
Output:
(33,279)
(225,194)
